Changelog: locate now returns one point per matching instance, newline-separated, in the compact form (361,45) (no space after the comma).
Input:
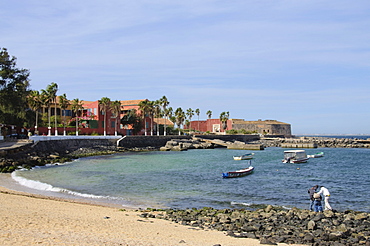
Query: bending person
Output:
(326,195)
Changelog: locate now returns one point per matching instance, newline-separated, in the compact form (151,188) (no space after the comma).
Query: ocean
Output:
(193,179)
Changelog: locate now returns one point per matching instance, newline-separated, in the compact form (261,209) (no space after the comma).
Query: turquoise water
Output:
(194,179)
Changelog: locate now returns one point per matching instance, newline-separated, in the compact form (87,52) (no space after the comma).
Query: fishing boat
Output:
(317,155)
(295,156)
(238,173)
(244,157)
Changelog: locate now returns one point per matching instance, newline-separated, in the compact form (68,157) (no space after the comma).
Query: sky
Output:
(303,62)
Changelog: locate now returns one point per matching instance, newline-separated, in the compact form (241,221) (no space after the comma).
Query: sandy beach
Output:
(38,220)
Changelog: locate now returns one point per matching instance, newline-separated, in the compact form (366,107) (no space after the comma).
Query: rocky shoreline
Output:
(319,142)
(39,156)
(272,225)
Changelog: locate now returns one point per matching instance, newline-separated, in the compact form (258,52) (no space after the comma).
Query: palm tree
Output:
(209,114)
(46,102)
(116,110)
(197,111)
(49,96)
(105,104)
(35,102)
(190,114)
(157,112)
(164,103)
(169,113)
(151,110)
(54,93)
(63,102)
(144,107)
(180,118)
(77,106)
(224,117)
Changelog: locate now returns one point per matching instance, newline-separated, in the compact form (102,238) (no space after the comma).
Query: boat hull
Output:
(318,155)
(239,173)
(244,157)
(295,156)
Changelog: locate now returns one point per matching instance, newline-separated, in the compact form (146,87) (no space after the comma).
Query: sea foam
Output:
(37,185)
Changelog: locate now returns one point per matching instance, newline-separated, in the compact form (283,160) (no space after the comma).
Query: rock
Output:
(309,238)
(268,208)
(164,149)
(361,216)
(335,236)
(341,227)
(311,225)
(267,241)
(328,213)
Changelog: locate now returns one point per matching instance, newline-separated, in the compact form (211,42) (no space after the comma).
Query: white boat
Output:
(317,155)
(244,157)
(238,173)
(295,156)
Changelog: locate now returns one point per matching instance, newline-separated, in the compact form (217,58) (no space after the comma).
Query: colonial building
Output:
(264,127)
(91,119)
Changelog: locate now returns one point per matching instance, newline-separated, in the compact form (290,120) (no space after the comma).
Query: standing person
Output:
(326,195)
(312,191)
(317,205)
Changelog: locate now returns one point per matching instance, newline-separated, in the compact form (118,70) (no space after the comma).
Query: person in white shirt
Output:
(326,195)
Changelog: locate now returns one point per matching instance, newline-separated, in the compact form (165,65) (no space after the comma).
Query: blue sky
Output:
(303,62)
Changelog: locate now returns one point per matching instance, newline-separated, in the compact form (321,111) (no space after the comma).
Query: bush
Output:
(232,131)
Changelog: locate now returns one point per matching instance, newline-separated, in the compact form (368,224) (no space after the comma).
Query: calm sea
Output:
(193,179)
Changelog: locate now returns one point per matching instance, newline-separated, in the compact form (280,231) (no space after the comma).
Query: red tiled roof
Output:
(161,121)
(131,102)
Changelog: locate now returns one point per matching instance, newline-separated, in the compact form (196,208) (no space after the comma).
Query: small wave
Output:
(37,185)
(241,203)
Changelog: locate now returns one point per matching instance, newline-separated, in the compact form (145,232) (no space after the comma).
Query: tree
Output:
(180,118)
(35,103)
(49,96)
(131,118)
(157,112)
(144,107)
(151,111)
(76,107)
(169,114)
(105,105)
(197,112)
(164,103)
(190,114)
(209,114)
(116,110)
(64,103)
(224,117)
(14,90)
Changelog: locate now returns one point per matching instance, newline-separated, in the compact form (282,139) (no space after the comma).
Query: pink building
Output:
(264,127)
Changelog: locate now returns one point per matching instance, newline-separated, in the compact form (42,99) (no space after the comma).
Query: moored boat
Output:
(295,156)
(317,155)
(244,157)
(238,173)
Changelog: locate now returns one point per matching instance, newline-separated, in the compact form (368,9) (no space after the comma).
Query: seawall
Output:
(315,142)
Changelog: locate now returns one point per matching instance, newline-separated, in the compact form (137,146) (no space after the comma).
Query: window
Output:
(67,112)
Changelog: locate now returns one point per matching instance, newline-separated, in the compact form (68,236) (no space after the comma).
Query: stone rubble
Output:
(273,225)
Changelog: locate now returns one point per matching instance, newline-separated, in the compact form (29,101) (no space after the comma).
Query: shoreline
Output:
(30,219)
(35,219)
